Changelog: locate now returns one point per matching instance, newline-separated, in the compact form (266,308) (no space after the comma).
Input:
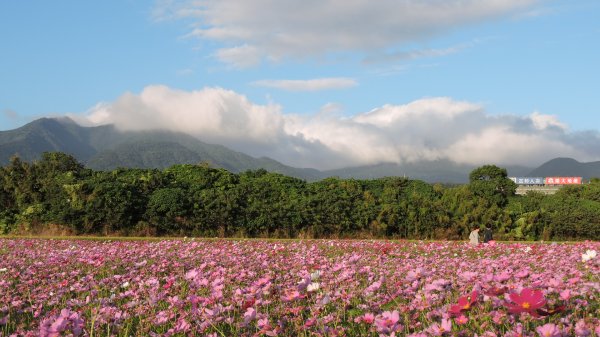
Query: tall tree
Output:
(491,182)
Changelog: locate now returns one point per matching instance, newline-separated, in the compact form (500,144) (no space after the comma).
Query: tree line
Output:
(57,194)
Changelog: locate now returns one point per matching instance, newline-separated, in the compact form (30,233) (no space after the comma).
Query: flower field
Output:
(297,288)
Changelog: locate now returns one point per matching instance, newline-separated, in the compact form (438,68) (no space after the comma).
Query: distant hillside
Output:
(434,171)
(43,135)
(143,155)
(443,171)
(567,167)
(105,148)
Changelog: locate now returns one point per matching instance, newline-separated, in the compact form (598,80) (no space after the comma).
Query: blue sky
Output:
(311,79)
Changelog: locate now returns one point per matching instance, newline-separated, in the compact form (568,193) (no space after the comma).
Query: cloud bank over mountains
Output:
(254,30)
(426,129)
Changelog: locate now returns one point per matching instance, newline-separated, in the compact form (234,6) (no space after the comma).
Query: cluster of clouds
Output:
(425,129)
(251,31)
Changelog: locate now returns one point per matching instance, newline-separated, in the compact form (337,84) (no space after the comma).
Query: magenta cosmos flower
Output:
(464,303)
(528,300)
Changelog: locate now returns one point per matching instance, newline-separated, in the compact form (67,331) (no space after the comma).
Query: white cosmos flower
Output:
(315,275)
(2,270)
(588,255)
(125,285)
(313,287)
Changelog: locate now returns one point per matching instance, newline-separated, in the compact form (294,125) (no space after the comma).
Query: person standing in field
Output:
(474,236)
(487,234)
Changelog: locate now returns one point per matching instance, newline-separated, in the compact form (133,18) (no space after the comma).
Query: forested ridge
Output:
(57,194)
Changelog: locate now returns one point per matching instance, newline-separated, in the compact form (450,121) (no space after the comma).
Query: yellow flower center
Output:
(525,305)
(467,306)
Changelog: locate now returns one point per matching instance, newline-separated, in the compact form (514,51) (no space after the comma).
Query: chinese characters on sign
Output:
(547,180)
(528,180)
(563,180)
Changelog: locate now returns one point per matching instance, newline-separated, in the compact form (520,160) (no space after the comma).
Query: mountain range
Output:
(105,148)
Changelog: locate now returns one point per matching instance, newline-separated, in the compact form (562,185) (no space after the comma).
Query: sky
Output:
(323,84)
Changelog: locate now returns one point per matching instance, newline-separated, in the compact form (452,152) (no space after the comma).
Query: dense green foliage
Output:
(57,193)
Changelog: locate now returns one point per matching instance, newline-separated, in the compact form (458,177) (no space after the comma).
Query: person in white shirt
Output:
(474,236)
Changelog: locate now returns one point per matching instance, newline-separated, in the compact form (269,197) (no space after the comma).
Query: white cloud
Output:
(276,29)
(309,85)
(416,54)
(501,143)
(426,129)
(240,57)
(439,108)
(217,114)
(542,122)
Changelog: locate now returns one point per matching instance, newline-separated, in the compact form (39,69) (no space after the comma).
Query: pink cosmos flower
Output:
(67,320)
(263,323)
(522,273)
(388,322)
(367,318)
(182,325)
(446,325)
(373,287)
(462,319)
(437,329)
(310,322)
(249,316)
(161,318)
(548,330)
(468,276)
(528,300)
(291,295)
(565,295)
(434,330)
(581,329)
(554,283)
(504,276)
(266,328)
